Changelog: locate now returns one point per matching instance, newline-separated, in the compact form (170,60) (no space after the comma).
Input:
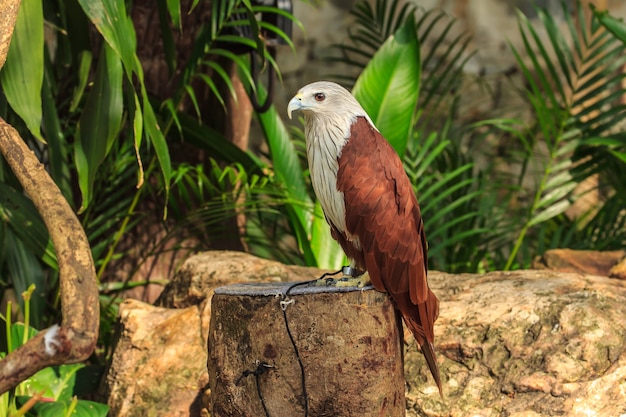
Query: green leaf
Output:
(100,121)
(116,27)
(289,174)
(173,6)
(77,408)
(616,26)
(286,163)
(157,139)
(58,148)
(20,213)
(18,335)
(388,87)
(327,251)
(23,270)
(167,37)
(56,382)
(550,212)
(22,74)
(206,138)
(83,76)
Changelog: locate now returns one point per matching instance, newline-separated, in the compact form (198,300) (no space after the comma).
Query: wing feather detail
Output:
(381,208)
(383,213)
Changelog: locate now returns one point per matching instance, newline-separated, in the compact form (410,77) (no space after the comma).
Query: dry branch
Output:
(77,337)
(75,340)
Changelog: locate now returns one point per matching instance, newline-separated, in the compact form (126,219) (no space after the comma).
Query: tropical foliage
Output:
(90,108)
(131,151)
(479,217)
(51,391)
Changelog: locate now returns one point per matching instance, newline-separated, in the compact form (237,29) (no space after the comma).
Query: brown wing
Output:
(382,211)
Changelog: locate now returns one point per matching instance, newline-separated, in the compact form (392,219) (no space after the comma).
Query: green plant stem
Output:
(8,328)
(70,409)
(26,295)
(119,234)
(516,248)
(524,231)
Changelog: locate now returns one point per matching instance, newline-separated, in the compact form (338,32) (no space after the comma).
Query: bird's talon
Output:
(325,282)
(358,281)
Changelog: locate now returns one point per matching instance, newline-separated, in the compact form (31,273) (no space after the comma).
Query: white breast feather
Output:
(324,145)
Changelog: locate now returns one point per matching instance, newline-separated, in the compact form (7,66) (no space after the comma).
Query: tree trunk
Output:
(345,359)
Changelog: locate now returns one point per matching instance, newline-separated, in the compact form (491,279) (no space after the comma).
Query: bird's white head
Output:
(325,99)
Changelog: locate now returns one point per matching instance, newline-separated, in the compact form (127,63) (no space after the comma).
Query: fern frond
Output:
(453,205)
(575,89)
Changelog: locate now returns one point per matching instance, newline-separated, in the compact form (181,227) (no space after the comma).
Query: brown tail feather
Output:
(428,350)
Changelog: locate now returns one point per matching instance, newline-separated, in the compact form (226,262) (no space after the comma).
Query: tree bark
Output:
(8,16)
(75,340)
(347,342)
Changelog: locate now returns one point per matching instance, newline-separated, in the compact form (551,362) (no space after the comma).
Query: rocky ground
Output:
(523,343)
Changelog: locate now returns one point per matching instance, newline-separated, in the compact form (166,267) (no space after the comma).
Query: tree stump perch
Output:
(348,340)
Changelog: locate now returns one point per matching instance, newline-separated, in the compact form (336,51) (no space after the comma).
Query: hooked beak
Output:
(295,104)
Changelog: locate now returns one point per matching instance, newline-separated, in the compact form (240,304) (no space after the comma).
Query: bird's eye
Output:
(320,96)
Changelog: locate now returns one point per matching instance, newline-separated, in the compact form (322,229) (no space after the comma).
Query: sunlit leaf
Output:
(81,408)
(328,253)
(388,87)
(100,121)
(22,74)
(114,24)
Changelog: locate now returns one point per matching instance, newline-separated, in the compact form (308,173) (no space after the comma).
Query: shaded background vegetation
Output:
(143,122)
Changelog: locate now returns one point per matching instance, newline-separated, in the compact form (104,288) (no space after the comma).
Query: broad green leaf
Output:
(22,74)
(85,58)
(58,148)
(290,175)
(327,251)
(285,157)
(56,382)
(77,408)
(4,399)
(100,121)
(19,334)
(388,87)
(112,21)
(114,24)
(173,6)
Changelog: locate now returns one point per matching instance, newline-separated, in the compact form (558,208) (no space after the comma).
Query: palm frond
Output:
(454,201)
(234,27)
(373,26)
(574,87)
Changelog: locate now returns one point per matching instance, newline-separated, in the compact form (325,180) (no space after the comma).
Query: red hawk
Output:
(369,204)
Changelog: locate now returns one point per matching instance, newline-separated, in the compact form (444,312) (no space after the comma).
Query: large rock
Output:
(159,362)
(157,367)
(581,261)
(524,343)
